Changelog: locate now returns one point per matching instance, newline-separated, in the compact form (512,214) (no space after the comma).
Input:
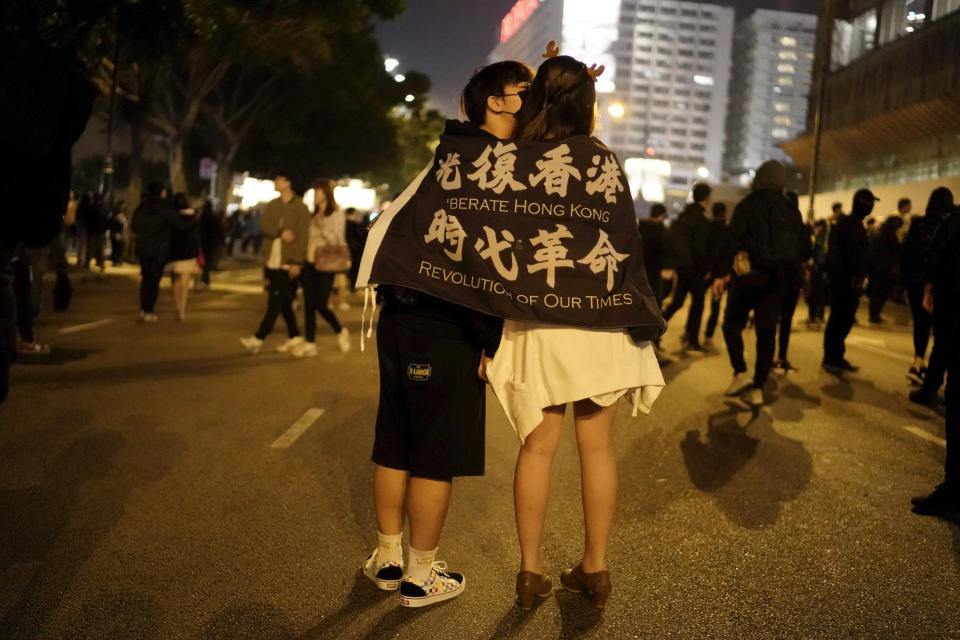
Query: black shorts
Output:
(432,413)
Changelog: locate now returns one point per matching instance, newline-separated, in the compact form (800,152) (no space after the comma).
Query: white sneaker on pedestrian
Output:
(252,344)
(386,575)
(740,382)
(441,585)
(290,344)
(343,339)
(151,318)
(754,397)
(304,350)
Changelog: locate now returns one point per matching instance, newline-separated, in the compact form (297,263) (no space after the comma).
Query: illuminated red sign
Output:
(517,16)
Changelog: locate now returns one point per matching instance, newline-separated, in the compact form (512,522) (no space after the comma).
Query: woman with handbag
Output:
(327,255)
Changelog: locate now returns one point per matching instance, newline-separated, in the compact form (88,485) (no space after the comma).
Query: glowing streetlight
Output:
(703,172)
(616,110)
(390,64)
(399,77)
(409,97)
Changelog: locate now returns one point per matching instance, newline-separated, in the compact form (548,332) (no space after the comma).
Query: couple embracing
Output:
(512,269)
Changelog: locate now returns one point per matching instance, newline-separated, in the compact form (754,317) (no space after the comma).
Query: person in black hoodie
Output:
(653,234)
(718,226)
(691,261)
(432,408)
(793,283)
(152,223)
(846,266)
(883,265)
(211,241)
(764,242)
(942,299)
(914,260)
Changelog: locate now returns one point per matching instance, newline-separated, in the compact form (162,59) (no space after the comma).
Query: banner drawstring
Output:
(368,299)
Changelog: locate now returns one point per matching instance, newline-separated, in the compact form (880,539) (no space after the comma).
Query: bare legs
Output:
(426,504)
(181,289)
(531,486)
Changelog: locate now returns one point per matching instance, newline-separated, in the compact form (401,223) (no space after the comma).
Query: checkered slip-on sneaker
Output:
(385,575)
(442,585)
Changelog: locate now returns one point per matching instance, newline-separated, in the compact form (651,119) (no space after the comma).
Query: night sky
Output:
(448,39)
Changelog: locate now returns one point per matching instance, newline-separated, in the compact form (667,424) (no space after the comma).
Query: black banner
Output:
(538,231)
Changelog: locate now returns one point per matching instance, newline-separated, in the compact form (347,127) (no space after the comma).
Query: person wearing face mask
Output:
(846,266)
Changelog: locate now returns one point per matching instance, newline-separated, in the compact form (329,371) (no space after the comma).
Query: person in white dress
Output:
(539,369)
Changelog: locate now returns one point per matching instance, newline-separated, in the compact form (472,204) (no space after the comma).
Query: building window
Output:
(699,133)
(783,120)
(679,132)
(688,12)
(698,147)
(781,107)
(664,52)
(901,17)
(853,39)
(708,28)
(661,90)
(788,41)
(686,26)
(706,81)
(785,81)
(705,95)
(786,67)
(787,55)
(706,42)
(668,11)
(943,7)
(705,55)
(780,133)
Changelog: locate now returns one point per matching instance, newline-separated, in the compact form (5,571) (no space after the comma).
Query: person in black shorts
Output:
(431,418)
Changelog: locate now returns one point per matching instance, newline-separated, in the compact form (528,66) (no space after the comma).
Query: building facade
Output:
(769,88)
(663,96)
(890,119)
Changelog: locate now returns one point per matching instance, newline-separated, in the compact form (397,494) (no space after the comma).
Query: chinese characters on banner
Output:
(542,231)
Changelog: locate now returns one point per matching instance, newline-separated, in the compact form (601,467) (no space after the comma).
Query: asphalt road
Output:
(141,496)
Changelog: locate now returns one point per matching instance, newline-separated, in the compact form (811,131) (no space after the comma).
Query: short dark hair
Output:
(154,190)
(719,210)
(657,210)
(902,203)
(701,191)
(488,81)
(835,206)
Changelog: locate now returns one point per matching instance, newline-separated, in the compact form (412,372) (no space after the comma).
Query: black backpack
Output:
(777,242)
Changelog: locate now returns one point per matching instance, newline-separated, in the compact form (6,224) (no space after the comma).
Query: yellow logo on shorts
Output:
(419,372)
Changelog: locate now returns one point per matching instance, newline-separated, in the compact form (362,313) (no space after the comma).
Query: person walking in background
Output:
(718,226)
(152,223)
(942,298)
(883,266)
(327,232)
(184,253)
(91,216)
(211,241)
(914,259)
(764,242)
(792,284)
(691,261)
(118,230)
(653,234)
(941,205)
(846,264)
(817,289)
(286,224)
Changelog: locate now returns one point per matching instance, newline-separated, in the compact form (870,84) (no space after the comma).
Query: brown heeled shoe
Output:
(530,584)
(597,585)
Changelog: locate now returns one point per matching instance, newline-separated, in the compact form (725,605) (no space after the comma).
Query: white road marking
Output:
(297,429)
(926,435)
(84,327)
(869,344)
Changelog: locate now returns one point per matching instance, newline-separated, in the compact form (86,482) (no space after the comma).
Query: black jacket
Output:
(688,241)
(185,237)
(152,222)
(716,230)
(653,235)
(750,230)
(915,252)
(847,249)
(943,268)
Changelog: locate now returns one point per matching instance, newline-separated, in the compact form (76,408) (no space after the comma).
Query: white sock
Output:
(389,548)
(421,562)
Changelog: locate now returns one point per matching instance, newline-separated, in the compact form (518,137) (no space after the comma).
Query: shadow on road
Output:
(749,468)
(577,615)
(119,614)
(49,531)
(362,596)
(57,355)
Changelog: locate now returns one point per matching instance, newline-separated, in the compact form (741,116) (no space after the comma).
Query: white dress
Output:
(541,365)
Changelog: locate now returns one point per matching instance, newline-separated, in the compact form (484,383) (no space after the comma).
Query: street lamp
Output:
(616,110)
(390,64)
(703,172)
(409,97)
(399,77)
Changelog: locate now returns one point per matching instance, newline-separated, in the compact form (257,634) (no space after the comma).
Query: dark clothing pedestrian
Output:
(846,265)
(185,237)
(152,223)
(915,256)
(317,286)
(280,291)
(767,231)
(715,233)
(653,236)
(691,259)
(211,240)
(94,224)
(883,265)
(817,277)
(151,273)
(792,284)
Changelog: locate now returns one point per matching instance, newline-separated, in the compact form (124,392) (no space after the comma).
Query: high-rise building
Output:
(888,72)
(769,88)
(663,96)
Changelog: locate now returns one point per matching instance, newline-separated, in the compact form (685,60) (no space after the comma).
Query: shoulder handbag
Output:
(332,258)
